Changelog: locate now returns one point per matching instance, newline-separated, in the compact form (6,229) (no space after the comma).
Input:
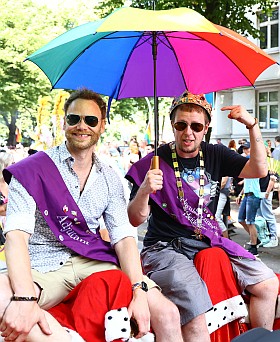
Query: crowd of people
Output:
(254,195)
(60,268)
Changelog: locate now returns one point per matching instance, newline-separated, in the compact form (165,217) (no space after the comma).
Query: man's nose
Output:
(82,123)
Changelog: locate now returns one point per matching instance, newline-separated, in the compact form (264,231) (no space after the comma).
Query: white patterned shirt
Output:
(103,196)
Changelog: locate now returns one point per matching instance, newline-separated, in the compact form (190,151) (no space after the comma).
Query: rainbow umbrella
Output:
(147,53)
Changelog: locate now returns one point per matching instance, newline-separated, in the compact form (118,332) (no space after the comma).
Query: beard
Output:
(187,149)
(74,143)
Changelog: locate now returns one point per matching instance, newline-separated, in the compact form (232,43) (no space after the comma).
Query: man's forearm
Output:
(256,167)
(18,263)
(129,259)
(138,208)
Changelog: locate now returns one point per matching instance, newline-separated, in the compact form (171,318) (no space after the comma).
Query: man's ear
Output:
(103,125)
(206,128)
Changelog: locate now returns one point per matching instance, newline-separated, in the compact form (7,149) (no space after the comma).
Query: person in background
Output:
(6,159)
(180,200)
(241,142)
(232,145)
(266,186)
(269,144)
(249,200)
(276,155)
(142,146)
(149,148)
(132,155)
(246,149)
(52,236)
(223,200)
(251,194)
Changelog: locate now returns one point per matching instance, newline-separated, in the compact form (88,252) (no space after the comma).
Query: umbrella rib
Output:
(73,60)
(175,55)
(227,56)
(122,76)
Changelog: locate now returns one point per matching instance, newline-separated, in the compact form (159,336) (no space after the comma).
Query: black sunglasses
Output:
(195,126)
(74,119)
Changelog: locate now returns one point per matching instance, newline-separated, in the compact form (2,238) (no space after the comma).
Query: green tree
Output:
(25,26)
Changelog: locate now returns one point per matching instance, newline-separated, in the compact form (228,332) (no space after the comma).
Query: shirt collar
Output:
(65,156)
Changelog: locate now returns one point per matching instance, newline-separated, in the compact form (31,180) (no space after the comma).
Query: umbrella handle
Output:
(155,163)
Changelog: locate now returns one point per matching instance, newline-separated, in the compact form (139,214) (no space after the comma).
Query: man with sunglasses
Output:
(56,199)
(181,199)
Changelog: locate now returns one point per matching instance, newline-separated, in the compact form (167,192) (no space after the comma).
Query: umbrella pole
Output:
(155,161)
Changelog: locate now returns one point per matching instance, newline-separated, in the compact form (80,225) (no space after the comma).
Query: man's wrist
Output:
(255,123)
(24,299)
(140,285)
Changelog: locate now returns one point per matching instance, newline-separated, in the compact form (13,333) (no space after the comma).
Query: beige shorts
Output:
(57,284)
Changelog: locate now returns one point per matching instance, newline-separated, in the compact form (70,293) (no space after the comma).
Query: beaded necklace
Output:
(198,226)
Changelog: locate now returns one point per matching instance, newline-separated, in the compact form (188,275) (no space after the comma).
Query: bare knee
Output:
(165,315)
(265,289)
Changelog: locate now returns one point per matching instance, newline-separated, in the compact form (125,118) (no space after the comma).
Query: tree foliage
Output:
(25,26)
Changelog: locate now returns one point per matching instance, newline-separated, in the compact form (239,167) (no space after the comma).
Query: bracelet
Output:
(24,299)
(141,285)
(256,122)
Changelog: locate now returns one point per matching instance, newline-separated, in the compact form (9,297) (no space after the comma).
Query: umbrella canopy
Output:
(143,53)
(114,56)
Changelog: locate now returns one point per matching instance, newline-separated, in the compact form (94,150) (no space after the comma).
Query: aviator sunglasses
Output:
(74,119)
(195,126)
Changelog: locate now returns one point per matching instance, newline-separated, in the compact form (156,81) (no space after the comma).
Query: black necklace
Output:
(189,172)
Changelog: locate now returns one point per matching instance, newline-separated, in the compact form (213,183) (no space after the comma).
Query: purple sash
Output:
(168,200)
(42,180)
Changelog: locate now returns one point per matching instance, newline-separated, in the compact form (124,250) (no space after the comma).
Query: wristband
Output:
(24,299)
(256,121)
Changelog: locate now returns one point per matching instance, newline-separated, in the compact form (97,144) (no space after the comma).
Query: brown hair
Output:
(86,94)
(232,144)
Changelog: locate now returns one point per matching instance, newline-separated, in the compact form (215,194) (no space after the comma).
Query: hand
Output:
(266,195)
(240,114)
(152,182)
(139,310)
(238,199)
(3,208)
(19,318)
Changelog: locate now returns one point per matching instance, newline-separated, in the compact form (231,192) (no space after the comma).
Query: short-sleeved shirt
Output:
(219,161)
(102,196)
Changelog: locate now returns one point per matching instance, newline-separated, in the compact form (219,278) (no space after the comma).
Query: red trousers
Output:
(84,309)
